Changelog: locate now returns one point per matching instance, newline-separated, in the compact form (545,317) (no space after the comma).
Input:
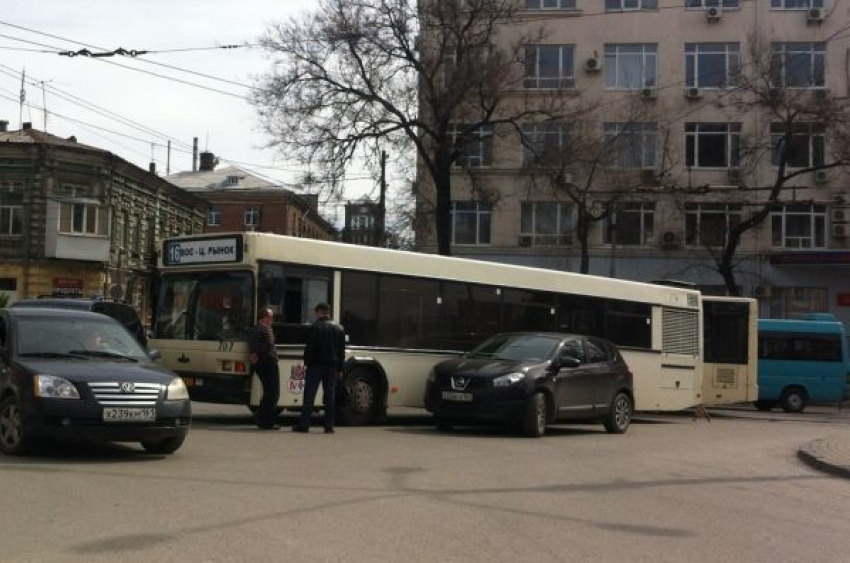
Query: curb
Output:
(830,455)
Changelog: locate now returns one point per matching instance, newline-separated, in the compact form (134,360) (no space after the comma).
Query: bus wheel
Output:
(793,399)
(764,405)
(360,405)
(536,414)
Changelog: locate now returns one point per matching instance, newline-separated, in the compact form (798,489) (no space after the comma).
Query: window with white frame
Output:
(474,145)
(83,219)
(629,5)
(712,3)
(549,67)
(631,145)
(545,223)
(789,302)
(231,180)
(798,65)
(630,66)
(634,223)
(708,224)
(799,226)
(465,60)
(471,223)
(807,147)
(362,222)
(213,216)
(11,209)
(796,4)
(544,143)
(712,145)
(711,65)
(252,216)
(550,4)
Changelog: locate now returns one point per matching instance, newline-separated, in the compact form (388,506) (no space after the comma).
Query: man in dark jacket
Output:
(324,358)
(264,362)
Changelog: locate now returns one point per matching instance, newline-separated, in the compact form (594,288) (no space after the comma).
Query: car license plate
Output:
(460,397)
(129,415)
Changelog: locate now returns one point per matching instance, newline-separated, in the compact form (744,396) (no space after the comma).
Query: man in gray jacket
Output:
(324,358)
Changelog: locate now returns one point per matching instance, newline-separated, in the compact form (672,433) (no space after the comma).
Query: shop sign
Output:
(67,286)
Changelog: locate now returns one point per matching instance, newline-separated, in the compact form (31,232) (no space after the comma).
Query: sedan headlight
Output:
(54,387)
(509,379)
(176,390)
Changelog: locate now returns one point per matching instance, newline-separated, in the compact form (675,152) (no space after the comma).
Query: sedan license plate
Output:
(129,415)
(459,397)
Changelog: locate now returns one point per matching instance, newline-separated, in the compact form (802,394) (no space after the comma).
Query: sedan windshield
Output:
(76,337)
(517,347)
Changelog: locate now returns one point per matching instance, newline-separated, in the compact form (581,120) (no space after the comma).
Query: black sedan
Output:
(533,379)
(82,375)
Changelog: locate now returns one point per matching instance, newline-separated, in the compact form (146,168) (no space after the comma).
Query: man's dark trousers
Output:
(327,377)
(269,375)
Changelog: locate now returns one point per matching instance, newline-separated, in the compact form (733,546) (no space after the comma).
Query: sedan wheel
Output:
(620,415)
(12,438)
(536,415)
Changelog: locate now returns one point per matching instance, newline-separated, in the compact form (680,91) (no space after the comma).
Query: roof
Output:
(215,180)
(36,137)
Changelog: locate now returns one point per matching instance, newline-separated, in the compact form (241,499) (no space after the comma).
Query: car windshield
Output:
(208,306)
(517,347)
(51,337)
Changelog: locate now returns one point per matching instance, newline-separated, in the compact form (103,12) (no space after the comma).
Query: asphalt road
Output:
(670,489)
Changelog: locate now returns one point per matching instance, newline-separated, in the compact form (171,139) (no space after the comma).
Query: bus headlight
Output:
(509,379)
(176,390)
(54,387)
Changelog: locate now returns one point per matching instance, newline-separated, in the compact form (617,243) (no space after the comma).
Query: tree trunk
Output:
(583,233)
(443,189)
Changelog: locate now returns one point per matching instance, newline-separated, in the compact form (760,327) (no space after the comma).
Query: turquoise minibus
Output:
(800,361)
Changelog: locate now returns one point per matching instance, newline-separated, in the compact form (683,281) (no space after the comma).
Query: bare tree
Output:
(806,131)
(594,161)
(354,75)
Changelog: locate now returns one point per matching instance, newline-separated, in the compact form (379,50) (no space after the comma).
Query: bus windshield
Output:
(204,306)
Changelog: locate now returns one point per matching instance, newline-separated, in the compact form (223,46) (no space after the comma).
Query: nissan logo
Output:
(460,382)
(128,387)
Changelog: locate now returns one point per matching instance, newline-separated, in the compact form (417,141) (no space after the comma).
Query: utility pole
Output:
(44,101)
(168,159)
(23,98)
(382,203)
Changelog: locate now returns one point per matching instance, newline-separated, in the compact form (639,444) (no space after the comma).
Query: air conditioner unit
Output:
(821,94)
(840,231)
(734,176)
(821,176)
(713,14)
(693,93)
(840,215)
(761,291)
(670,240)
(815,15)
(647,176)
(593,64)
(525,240)
(648,93)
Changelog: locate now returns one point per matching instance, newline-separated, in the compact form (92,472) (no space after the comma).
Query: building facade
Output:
(363,223)
(664,85)
(79,220)
(241,201)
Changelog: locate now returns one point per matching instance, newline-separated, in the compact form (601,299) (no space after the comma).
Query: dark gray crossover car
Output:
(533,379)
(82,375)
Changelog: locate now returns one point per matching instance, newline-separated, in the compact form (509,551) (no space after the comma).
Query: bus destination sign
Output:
(205,251)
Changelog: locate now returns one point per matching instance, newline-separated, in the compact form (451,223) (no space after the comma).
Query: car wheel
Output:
(360,404)
(793,399)
(164,446)
(444,425)
(536,415)
(764,405)
(620,415)
(13,439)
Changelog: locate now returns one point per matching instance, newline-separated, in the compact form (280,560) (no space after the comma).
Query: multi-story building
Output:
(664,82)
(362,223)
(241,201)
(79,220)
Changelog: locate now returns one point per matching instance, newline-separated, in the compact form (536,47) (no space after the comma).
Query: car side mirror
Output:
(565,361)
(154,354)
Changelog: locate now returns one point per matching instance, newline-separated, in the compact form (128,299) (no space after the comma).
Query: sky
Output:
(193,30)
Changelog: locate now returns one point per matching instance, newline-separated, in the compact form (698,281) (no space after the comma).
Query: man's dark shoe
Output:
(297,428)
(268,427)
(329,430)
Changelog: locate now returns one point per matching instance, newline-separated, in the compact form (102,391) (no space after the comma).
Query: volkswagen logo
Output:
(128,387)
(459,382)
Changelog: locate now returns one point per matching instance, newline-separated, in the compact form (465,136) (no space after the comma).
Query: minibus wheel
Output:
(793,399)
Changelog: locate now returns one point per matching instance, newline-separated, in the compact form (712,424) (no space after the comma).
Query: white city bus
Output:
(402,313)
(730,350)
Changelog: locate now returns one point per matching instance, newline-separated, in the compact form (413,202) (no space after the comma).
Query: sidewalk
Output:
(830,454)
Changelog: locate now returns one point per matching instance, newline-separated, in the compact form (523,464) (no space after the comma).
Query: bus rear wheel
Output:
(361,403)
(793,399)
